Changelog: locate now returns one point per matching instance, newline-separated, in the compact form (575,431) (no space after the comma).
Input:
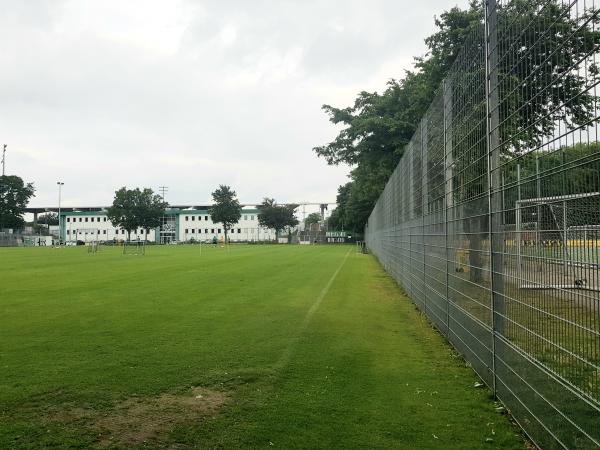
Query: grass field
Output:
(255,347)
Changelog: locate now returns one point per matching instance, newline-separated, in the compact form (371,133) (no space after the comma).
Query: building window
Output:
(105,219)
(68,231)
(245,217)
(219,231)
(186,231)
(103,231)
(193,218)
(80,219)
(251,217)
(206,230)
(205,217)
(68,219)
(187,218)
(212,230)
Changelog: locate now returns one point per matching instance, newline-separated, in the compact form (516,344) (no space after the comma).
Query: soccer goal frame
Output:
(135,248)
(566,244)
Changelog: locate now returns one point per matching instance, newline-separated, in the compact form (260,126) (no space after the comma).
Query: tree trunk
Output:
(225,230)
(477,232)
(475,259)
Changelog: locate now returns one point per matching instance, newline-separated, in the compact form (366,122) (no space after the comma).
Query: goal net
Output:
(137,247)
(559,237)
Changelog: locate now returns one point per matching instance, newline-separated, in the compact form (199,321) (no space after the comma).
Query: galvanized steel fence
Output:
(491,220)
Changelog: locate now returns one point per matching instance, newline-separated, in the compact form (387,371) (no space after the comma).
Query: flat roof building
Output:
(177,225)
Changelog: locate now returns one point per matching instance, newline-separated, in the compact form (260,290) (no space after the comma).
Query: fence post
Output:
(496,233)
(424,196)
(448,201)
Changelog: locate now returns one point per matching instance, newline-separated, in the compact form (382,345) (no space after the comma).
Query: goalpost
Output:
(361,247)
(564,231)
(137,247)
(90,237)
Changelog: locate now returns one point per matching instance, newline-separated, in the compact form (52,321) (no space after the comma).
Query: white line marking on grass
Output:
(287,354)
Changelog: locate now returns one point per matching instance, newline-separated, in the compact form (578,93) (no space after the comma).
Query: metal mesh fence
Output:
(491,221)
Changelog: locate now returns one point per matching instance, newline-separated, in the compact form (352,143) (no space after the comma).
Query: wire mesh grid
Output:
(491,220)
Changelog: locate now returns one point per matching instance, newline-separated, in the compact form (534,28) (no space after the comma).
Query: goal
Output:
(137,247)
(558,241)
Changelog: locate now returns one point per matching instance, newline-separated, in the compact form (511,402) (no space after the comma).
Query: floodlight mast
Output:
(60,185)
(4,160)
(163,190)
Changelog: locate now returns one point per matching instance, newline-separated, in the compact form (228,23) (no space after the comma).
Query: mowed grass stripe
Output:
(367,371)
(313,309)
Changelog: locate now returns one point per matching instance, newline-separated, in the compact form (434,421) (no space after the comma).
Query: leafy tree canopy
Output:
(14,197)
(149,208)
(48,219)
(226,208)
(277,217)
(377,127)
(312,218)
(135,208)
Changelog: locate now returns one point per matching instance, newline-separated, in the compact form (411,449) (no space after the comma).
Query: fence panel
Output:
(491,221)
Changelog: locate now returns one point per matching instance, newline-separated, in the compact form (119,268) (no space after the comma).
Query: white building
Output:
(178,225)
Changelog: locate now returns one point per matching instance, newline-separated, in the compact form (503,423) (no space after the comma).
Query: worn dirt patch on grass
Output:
(137,420)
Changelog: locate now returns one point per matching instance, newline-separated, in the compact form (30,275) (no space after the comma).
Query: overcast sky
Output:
(192,94)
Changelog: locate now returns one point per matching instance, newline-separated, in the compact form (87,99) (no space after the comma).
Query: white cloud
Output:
(191,94)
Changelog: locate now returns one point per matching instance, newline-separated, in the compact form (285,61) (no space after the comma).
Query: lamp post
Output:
(60,185)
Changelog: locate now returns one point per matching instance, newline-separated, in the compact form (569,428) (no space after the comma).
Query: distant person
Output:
(215,241)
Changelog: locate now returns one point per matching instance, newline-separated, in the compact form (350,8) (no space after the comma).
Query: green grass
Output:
(304,359)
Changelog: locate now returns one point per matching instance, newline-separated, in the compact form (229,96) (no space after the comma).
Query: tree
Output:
(148,209)
(312,218)
(133,208)
(378,126)
(14,197)
(122,212)
(226,208)
(48,219)
(277,217)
